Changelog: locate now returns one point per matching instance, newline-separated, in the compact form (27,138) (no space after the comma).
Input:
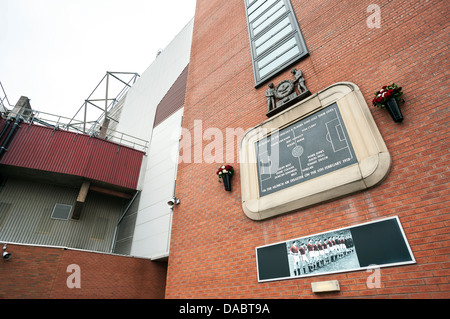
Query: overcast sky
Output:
(55,52)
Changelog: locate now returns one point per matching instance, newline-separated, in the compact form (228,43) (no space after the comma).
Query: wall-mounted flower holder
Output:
(389,97)
(225,172)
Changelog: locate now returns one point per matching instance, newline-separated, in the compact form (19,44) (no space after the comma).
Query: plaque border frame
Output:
(373,166)
(345,270)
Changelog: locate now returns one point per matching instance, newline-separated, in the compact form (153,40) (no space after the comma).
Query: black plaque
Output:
(375,244)
(314,146)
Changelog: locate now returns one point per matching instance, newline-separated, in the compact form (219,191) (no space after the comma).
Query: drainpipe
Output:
(120,220)
(5,128)
(10,135)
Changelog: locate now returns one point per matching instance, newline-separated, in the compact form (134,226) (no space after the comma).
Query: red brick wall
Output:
(42,272)
(213,243)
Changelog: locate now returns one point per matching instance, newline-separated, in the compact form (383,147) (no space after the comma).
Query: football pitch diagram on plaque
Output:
(307,149)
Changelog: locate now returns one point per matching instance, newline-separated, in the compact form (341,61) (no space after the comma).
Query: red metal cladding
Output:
(173,100)
(42,148)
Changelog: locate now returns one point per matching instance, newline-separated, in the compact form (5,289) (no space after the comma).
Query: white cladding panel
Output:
(153,222)
(143,97)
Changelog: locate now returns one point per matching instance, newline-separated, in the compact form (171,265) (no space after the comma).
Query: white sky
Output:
(55,52)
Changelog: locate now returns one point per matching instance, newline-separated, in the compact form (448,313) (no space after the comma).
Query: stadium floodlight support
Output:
(119,90)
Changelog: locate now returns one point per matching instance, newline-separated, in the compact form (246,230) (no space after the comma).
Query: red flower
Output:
(225,169)
(386,93)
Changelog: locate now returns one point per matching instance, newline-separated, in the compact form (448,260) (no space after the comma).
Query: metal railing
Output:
(4,102)
(58,122)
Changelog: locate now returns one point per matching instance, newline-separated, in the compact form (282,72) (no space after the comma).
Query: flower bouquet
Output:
(386,93)
(389,97)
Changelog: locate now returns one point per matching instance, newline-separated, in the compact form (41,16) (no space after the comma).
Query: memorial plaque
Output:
(314,146)
(319,149)
(380,243)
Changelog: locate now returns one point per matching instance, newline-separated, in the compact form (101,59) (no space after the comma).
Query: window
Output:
(61,211)
(275,37)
